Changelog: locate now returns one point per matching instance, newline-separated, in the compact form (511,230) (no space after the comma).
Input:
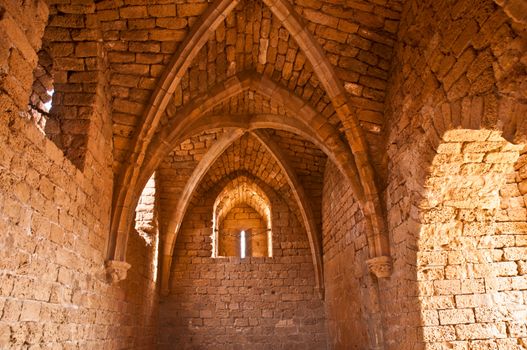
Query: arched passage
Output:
(260,280)
(470,255)
(199,172)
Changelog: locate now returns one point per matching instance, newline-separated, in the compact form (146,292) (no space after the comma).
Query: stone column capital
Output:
(380,266)
(116,270)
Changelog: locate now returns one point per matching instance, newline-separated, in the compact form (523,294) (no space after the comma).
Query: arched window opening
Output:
(145,213)
(471,239)
(146,224)
(243,232)
(242,221)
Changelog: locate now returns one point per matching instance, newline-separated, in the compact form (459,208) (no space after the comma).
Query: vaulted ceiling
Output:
(201,90)
(357,38)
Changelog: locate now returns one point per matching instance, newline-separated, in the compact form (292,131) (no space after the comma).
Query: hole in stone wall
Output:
(65,102)
(146,224)
(41,99)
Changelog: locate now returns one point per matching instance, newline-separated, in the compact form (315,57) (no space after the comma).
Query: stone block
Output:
(133,12)
(457,316)
(481,331)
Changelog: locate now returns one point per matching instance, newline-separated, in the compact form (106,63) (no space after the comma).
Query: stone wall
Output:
(345,274)
(73,68)
(231,303)
(458,65)
(471,248)
(55,222)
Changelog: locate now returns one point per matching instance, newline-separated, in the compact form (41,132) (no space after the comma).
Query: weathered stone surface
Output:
(402,121)
(454,188)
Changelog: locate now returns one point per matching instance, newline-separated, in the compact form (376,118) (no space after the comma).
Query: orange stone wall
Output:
(458,65)
(345,273)
(438,87)
(55,221)
(471,247)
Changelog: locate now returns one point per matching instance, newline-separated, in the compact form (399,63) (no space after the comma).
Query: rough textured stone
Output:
(395,131)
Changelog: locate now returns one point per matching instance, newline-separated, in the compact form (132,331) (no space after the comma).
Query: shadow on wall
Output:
(472,243)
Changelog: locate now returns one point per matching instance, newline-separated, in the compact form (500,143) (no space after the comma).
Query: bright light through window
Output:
(242,244)
(47,105)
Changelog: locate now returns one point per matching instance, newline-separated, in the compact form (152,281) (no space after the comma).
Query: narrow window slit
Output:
(242,244)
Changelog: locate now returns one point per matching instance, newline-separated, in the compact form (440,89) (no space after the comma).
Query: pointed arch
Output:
(301,119)
(170,79)
(178,215)
(285,12)
(222,204)
(209,21)
(241,190)
(298,191)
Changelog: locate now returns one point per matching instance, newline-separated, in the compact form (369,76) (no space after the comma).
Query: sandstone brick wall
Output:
(140,38)
(345,273)
(176,169)
(457,65)
(72,65)
(427,79)
(228,303)
(55,222)
(358,38)
(309,163)
(471,248)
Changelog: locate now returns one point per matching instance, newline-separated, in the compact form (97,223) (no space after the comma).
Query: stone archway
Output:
(471,243)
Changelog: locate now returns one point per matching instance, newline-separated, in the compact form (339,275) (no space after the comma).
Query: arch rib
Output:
(177,217)
(302,119)
(170,79)
(306,211)
(305,117)
(285,12)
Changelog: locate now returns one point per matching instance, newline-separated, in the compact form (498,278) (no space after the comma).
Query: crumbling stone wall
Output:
(72,67)
(146,223)
(55,221)
(41,97)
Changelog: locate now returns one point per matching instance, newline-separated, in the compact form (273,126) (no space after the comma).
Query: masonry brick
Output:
(409,143)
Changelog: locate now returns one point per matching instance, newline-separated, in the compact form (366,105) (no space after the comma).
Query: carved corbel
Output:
(116,271)
(380,266)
